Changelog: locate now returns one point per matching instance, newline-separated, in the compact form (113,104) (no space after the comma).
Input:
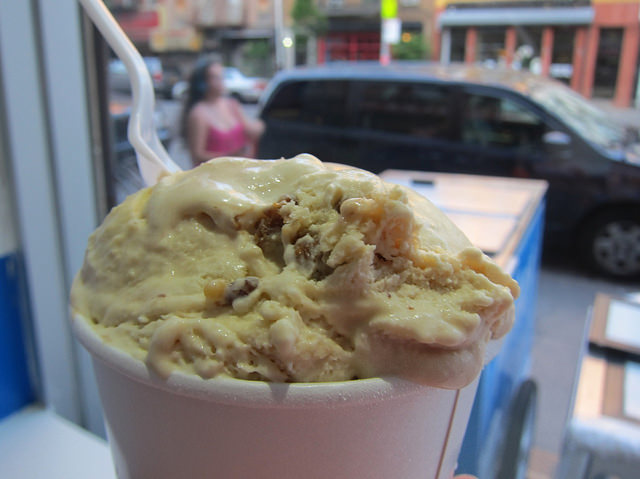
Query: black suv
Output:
(467,119)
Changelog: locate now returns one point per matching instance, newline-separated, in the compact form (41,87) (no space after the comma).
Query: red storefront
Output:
(352,46)
(138,24)
(592,46)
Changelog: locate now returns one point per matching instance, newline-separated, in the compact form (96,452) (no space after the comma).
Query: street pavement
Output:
(566,293)
(565,297)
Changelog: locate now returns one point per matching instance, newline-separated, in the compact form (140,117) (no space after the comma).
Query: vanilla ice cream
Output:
(291,271)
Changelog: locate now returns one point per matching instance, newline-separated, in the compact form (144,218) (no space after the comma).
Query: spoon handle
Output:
(153,159)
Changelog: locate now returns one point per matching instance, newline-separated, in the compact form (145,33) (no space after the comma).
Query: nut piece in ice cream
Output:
(291,270)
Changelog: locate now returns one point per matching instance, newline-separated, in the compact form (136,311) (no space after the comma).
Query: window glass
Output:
(562,55)
(287,103)
(490,44)
(491,121)
(416,109)
(458,39)
(314,102)
(325,103)
(607,62)
(593,124)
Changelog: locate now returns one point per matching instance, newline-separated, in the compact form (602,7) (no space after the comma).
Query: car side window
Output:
(325,103)
(416,109)
(322,103)
(287,102)
(500,122)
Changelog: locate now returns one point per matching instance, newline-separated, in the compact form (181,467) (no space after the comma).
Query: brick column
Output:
(353,46)
(627,66)
(470,45)
(439,7)
(579,52)
(436,42)
(321,50)
(510,41)
(436,34)
(589,71)
(546,50)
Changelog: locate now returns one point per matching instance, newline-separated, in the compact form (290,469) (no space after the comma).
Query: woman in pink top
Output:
(213,124)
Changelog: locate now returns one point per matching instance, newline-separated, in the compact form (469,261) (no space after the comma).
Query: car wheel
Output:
(611,244)
(519,435)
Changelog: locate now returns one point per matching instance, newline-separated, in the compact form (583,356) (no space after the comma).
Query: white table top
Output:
(36,443)
(493,212)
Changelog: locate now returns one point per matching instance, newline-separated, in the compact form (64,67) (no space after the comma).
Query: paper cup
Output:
(228,428)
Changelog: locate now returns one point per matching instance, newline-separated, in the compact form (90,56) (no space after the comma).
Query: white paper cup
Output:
(188,427)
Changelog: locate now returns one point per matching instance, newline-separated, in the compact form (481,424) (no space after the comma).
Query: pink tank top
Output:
(226,141)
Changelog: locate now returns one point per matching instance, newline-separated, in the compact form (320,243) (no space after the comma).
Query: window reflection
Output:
(409,108)
(491,121)
(318,103)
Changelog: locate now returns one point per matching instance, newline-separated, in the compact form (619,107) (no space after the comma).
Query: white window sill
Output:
(36,442)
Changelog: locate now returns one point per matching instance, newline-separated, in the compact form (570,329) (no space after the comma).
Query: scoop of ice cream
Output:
(291,270)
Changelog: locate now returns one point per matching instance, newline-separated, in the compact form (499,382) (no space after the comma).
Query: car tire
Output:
(519,434)
(610,243)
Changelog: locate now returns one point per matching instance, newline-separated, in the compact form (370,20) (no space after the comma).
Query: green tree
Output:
(257,56)
(307,18)
(415,48)
(258,49)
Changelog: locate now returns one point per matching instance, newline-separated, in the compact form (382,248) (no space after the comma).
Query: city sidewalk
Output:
(564,299)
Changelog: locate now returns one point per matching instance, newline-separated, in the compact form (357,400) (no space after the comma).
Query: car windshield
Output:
(588,121)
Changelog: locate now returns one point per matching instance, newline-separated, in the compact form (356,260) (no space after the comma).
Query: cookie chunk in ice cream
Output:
(291,271)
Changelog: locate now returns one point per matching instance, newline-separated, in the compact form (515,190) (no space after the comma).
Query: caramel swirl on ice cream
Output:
(291,271)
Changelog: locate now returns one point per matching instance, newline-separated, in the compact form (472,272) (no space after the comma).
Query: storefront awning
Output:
(480,17)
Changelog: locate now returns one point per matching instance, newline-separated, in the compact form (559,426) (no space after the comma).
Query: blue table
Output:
(505,218)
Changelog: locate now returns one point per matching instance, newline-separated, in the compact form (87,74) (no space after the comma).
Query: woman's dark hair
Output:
(197,88)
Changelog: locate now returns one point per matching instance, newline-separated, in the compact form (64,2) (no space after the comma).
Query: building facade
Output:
(183,29)
(592,46)
(351,28)
(354,28)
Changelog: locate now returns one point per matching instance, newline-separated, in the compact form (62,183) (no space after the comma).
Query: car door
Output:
(308,116)
(405,124)
(500,133)
(496,134)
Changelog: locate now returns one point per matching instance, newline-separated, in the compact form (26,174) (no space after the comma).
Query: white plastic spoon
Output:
(153,159)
